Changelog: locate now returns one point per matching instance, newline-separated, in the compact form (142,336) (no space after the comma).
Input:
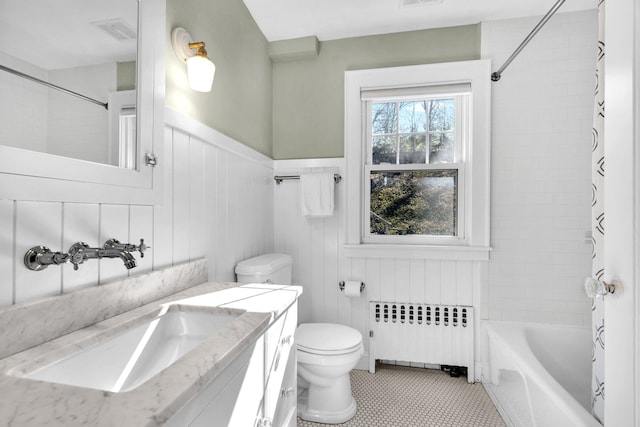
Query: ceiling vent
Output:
(117,28)
(413,3)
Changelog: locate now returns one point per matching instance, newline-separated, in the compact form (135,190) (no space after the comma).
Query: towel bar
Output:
(279,178)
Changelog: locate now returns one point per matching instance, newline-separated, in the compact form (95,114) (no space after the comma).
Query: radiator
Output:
(422,333)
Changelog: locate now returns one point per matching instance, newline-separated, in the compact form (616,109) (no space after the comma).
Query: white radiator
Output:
(422,333)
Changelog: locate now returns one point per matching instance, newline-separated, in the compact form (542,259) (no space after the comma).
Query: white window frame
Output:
(460,150)
(473,179)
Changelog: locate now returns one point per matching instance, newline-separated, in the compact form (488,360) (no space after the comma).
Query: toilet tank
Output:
(269,268)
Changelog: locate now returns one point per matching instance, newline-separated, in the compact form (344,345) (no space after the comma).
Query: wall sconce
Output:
(200,69)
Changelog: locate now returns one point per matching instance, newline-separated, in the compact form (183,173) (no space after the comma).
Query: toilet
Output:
(326,352)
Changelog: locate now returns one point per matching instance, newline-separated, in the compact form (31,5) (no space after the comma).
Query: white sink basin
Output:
(121,362)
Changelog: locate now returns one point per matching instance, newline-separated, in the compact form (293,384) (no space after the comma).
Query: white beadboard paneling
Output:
(211,222)
(222,232)
(141,227)
(372,277)
(403,281)
(417,285)
(6,251)
(387,279)
(218,202)
(81,223)
(162,251)
(228,239)
(114,224)
(331,270)
(321,262)
(465,282)
(448,284)
(433,282)
(37,223)
(181,196)
(359,306)
(197,236)
(314,282)
(345,304)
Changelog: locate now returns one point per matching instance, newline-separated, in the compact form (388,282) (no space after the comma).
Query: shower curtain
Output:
(597,225)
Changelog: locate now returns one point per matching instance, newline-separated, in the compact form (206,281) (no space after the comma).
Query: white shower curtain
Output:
(597,222)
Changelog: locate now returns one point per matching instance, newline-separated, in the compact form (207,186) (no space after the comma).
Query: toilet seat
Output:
(327,339)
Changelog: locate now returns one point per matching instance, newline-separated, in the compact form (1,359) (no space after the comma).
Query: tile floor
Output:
(399,396)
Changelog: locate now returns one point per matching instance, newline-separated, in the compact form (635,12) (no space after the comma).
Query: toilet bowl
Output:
(325,352)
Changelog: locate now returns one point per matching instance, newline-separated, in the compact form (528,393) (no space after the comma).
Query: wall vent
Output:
(116,28)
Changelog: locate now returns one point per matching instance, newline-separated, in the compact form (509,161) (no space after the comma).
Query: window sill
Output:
(457,253)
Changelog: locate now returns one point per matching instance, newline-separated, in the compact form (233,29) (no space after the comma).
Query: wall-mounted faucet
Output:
(40,257)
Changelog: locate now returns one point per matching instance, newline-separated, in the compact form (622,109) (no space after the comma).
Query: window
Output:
(417,157)
(414,166)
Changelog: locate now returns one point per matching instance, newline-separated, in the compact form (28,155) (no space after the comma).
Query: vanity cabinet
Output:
(257,389)
(279,406)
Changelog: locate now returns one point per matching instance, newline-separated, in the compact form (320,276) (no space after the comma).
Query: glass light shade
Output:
(200,71)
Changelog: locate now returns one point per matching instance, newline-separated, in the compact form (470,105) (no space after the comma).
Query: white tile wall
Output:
(541,169)
(218,203)
(23,112)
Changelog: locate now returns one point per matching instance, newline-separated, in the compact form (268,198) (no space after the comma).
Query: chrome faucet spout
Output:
(112,248)
(124,255)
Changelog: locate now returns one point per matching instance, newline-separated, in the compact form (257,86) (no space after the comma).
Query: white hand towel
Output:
(316,194)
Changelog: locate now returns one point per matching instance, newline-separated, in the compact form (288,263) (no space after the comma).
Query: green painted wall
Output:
(308,98)
(240,103)
(126,75)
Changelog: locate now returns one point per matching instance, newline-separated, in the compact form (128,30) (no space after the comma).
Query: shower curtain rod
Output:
(52,86)
(496,75)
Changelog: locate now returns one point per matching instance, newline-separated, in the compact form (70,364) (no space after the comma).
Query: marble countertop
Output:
(27,402)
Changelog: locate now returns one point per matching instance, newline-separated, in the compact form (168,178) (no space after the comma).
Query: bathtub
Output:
(539,375)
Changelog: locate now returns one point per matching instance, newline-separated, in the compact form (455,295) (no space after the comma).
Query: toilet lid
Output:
(327,338)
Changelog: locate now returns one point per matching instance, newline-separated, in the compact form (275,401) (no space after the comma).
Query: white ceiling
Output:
(336,19)
(60,34)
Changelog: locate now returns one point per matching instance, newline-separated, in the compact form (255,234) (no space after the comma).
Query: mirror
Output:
(67,74)
(91,109)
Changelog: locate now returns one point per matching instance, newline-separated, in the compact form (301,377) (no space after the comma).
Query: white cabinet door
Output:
(280,350)
(239,402)
(285,415)
(233,398)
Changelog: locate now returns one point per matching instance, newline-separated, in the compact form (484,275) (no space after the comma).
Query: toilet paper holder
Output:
(341,286)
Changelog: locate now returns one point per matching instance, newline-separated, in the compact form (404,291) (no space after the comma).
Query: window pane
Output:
(414,202)
(413,149)
(441,147)
(384,149)
(412,117)
(442,115)
(384,118)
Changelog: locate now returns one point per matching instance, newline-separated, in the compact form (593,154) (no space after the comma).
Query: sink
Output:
(121,361)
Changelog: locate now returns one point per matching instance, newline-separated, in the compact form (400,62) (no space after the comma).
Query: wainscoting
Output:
(217,204)
(320,262)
